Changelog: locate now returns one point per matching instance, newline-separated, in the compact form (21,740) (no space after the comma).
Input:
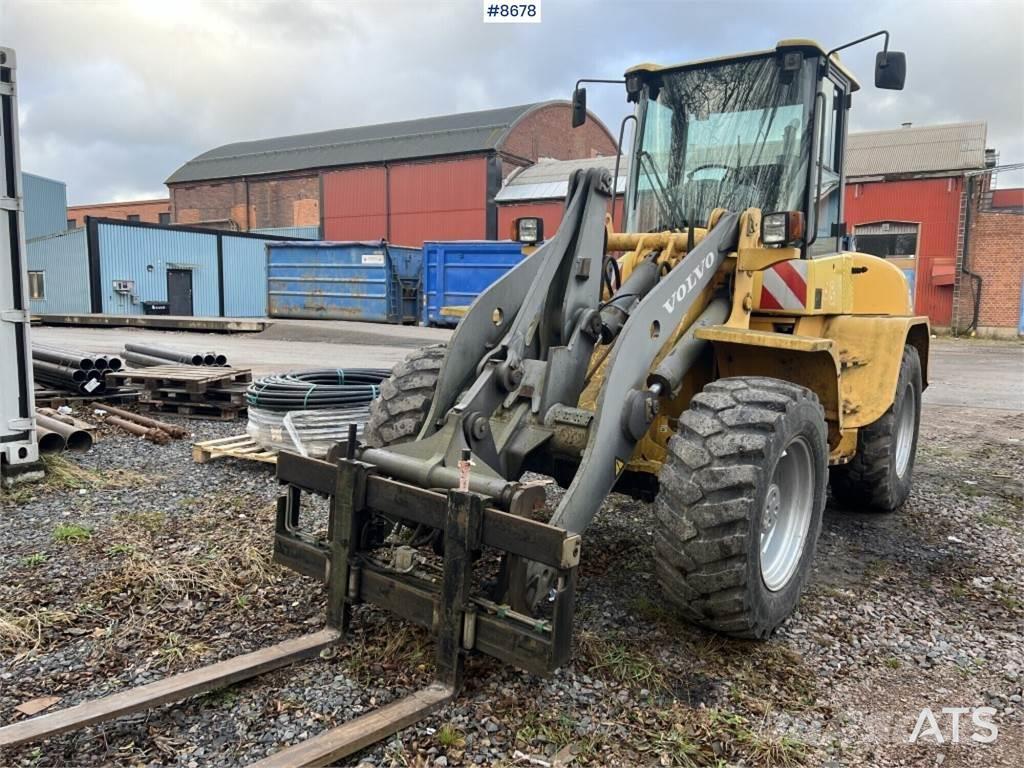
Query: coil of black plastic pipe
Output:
(316,390)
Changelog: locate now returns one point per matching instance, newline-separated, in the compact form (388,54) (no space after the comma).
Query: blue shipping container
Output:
(62,287)
(46,206)
(374,281)
(455,273)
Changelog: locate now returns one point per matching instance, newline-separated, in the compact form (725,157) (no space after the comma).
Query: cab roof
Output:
(811,46)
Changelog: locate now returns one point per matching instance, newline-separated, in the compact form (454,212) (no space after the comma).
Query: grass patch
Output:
(71,533)
(64,474)
(557,730)
(699,737)
(34,560)
(150,521)
(177,649)
(404,650)
(892,663)
(450,737)
(23,631)
(619,662)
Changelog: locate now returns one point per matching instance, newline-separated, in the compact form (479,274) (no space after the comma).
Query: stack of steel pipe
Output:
(73,370)
(56,434)
(148,355)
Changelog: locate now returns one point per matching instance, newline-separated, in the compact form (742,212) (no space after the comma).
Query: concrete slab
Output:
(167,322)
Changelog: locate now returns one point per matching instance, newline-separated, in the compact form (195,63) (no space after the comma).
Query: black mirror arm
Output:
(595,80)
(858,41)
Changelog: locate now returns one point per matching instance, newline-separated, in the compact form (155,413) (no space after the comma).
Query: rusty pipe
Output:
(71,420)
(75,439)
(48,440)
(171,429)
(153,435)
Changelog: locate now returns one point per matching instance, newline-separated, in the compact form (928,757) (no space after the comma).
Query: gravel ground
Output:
(131,562)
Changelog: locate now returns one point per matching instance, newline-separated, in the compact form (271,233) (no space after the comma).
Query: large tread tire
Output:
(713,486)
(398,413)
(871,481)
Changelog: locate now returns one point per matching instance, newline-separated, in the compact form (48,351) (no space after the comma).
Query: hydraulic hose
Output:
(314,390)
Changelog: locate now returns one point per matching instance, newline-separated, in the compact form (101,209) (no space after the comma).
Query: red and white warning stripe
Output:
(784,285)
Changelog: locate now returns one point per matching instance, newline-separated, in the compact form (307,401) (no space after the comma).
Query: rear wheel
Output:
(880,474)
(739,510)
(397,415)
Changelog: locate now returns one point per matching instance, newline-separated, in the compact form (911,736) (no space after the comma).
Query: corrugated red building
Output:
(905,200)
(430,179)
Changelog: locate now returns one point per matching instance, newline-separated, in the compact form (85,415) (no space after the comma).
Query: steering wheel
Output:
(707,166)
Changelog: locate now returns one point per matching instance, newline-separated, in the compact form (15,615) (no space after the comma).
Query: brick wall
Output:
(996,254)
(284,201)
(146,210)
(548,132)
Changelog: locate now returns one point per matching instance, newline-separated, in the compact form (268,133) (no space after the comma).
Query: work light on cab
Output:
(528,229)
(782,228)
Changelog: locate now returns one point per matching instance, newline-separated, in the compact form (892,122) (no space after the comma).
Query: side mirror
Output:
(579,107)
(890,70)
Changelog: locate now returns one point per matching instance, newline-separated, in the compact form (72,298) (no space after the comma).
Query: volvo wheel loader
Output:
(727,355)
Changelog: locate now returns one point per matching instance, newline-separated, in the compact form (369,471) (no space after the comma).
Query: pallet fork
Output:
(461,622)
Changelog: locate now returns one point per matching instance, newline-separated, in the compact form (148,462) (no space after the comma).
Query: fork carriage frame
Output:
(460,621)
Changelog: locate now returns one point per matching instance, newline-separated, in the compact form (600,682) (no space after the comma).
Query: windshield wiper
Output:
(669,207)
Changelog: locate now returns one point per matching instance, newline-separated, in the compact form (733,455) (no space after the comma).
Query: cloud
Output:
(116,95)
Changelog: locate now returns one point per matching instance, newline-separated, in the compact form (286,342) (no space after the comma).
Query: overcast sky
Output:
(115,95)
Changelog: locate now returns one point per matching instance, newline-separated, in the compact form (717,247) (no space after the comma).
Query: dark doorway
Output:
(179,291)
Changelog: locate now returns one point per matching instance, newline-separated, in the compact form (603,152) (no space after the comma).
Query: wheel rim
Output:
(905,431)
(786,516)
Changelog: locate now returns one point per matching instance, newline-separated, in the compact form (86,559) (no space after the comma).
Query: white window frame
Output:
(32,284)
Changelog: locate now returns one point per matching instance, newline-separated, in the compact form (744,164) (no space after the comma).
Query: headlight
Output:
(783,228)
(529,229)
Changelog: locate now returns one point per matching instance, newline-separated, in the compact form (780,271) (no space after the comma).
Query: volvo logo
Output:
(693,279)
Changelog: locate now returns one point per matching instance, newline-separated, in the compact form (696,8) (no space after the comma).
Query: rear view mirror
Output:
(579,107)
(890,70)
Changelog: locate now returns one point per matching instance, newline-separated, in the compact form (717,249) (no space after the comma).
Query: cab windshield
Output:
(733,135)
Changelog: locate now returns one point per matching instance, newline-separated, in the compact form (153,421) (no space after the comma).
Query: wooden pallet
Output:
(195,410)
(233,393)
(55,398)
(239,447)
(191,378)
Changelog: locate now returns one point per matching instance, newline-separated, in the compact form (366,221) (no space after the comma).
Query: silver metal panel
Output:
(46,206)
(64,261)
(924,149)
(245,276)
(17,403)
(143,255)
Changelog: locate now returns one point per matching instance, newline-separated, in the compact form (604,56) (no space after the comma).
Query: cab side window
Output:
(829,191)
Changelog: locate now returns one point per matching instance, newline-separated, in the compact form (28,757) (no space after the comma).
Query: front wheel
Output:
(740,504)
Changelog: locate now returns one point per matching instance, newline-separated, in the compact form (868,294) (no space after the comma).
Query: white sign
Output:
(376,259)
